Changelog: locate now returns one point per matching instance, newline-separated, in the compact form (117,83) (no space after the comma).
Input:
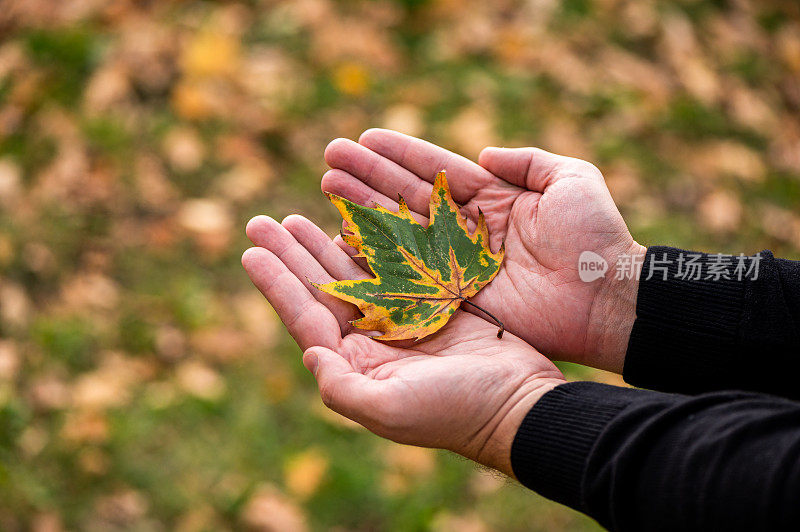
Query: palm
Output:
(450,390)
(463,369)
(538,291)
(547,212)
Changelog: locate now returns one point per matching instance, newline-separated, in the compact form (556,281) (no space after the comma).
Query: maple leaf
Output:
(422,274)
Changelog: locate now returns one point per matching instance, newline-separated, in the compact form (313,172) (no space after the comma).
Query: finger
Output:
(352,252)
(333,258)
(379,173)
(265,232)
(533,168)
(343,389)
(308,321)
(425,159)
(344,184)
(347,248)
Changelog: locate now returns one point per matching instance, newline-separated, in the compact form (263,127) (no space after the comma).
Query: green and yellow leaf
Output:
(422,274)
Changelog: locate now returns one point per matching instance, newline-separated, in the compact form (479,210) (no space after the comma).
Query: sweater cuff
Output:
(688,314)
(555,439)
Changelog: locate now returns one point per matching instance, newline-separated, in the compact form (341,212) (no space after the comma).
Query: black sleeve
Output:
(643,460)
(704,327)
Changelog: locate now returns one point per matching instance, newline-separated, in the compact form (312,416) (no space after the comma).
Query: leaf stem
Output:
(498,322)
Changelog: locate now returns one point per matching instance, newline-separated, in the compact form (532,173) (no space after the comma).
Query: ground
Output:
(146,385)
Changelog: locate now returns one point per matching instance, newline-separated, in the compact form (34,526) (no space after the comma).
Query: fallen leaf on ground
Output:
(270,511)
(304,472)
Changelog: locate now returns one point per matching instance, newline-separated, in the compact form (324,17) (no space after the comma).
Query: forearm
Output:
(640,460)
(697,332)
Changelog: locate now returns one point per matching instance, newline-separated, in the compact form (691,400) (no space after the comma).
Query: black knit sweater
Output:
(716,454)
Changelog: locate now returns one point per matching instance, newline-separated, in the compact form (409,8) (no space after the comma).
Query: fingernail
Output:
(311,362)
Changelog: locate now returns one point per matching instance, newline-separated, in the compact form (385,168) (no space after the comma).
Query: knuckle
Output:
(327,394)
(572,167)
(589,169)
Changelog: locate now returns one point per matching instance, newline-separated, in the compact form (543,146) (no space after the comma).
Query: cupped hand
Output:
(461,389)
(547,208)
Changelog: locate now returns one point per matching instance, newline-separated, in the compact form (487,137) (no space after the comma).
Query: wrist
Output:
(614,311)
(495,451)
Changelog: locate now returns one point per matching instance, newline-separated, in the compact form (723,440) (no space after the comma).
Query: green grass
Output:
(205,407)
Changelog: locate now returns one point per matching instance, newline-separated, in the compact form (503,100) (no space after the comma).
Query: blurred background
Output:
(145,384)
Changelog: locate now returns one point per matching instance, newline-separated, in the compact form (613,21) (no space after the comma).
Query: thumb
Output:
(533,168)
(342,389)
(325,364)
